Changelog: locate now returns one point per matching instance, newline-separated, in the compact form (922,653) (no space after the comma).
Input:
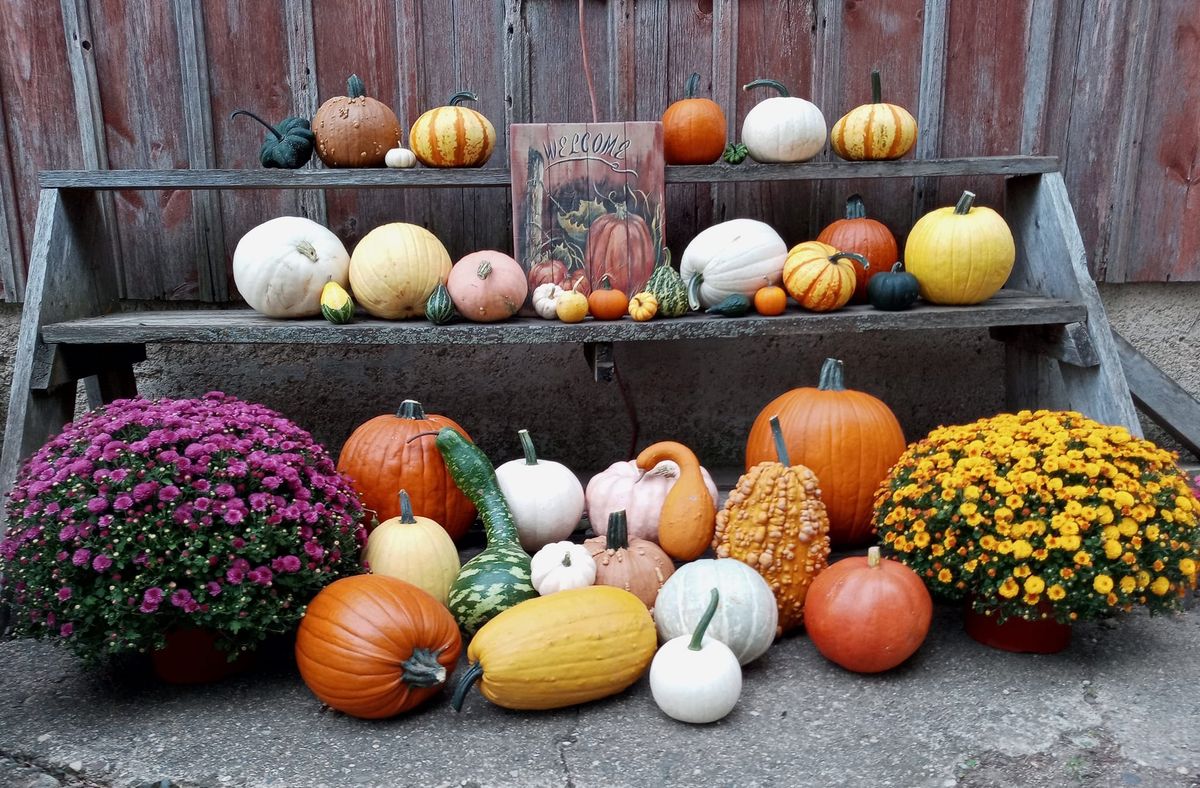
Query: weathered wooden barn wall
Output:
(1112,87)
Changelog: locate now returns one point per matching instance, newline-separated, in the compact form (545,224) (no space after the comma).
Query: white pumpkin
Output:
(561,566)
(747,620)
(622,486)
(783,128)
(545,300)
(281,266)
(400,159)
(695,678)
(545,497)
(737,256)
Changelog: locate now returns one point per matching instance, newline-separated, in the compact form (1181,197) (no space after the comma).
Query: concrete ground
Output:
(1117,708)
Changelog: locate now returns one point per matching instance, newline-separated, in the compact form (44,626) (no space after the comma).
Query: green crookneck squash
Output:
(500,576)
(290,144)
(439,309)
(667,286)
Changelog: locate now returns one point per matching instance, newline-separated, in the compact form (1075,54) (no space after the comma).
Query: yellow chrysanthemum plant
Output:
(1043,514)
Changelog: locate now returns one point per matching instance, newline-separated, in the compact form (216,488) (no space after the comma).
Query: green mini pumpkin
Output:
(893,291)
(290,144)
(439,309)
(734,305)
(735,153)
(668,288)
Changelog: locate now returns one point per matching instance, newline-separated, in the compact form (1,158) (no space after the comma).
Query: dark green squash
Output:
(290,144)
(734,305)
(668,288)
(893,291)
(439,309)
(735,153)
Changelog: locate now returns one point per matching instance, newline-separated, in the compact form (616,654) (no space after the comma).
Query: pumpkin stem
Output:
(411,409)
(485,269)
(406,512)
(422,669)
(617,537)
(897,267)
(858,258)
(832,377)
(693,291)
(876,88)
(767,83)
(781,451)
(689,90)
(702,627)
(527,447)
(566,558)
(964,203)
(270,128)
(873,556)
(855,207)
(472,674)
(355,87)
(308,250)
(605,282)
(461,96)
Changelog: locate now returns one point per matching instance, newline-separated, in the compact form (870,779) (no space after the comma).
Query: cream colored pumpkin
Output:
(545,300)
(561,566)
(395,267)
(545,497)
(783,128)
(400,159)
(414,549)
(695,678)
(281,266)
(737,256)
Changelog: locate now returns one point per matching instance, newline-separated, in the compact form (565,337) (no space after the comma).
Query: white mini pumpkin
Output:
(561,566)
(695,678)
(545,300)
(545,497)
(400,158)
(737,256)
(783,128)
(281,266)
(747,619)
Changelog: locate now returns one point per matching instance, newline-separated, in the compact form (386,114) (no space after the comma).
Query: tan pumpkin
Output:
(355,130)
(774,521)
(638,566)
(395,268)
(487,286)
(453,136)
(820,277)
(414,549)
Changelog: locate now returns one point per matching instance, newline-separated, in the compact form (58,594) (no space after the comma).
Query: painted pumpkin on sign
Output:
(620,245)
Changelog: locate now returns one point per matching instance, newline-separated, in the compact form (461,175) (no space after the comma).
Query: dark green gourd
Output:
(288,146)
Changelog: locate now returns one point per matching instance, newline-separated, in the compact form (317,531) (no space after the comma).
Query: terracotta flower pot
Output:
(1045,636)
(191,656)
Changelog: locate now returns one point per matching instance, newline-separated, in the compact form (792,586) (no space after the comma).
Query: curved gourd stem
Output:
(693,291)
(876,88)
(422,669)
(963,207)
(605,283)
(472,674)
(767,83)
(355,87)
(832,376)
(705,620)
(406,512)
(461,96)
(617,536)
(781,451)
(527,447)
(689,90)
(247,112)
(411,409)
(897,267)
(873,556)
(858,258)
(855,207)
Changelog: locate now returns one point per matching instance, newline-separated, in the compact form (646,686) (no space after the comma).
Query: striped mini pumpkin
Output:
(453,136)
(874,131)
(820,277)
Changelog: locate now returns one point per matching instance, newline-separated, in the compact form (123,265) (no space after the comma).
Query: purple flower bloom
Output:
(64,593)
(66,629)
(168,493)
(261,575)
(81,556)
(235,576)
(287,563)
(225,490)
(122,503)
(234,516)
(101,562)
(213,587)
(97,505)
(314,550)
(181,597)
(67,533)
(144,490)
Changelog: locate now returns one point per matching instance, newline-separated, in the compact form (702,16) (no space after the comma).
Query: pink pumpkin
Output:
(623,486)
(487,286)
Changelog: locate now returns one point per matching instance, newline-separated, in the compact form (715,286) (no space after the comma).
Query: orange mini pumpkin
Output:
(355,130)
(770,300)
(693,128)
(820,277)
(606,302)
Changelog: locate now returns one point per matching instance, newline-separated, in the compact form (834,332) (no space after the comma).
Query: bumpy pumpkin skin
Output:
(355,130)
(636,565)
(667,286)
(960,258)
(775,522)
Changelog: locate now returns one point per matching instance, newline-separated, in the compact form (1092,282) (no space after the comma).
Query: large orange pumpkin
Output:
(373,646)
(693,128)
(380,461)
(848,438)
(820,277)
(867,237)
(620,245)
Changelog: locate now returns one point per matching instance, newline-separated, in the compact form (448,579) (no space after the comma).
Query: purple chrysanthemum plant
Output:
(145,516)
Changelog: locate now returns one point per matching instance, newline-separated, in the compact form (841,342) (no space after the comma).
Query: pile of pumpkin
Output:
(554,623)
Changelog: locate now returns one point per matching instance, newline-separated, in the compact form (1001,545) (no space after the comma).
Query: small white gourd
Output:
(545,300)
(545,497)
(696,678)
(562,566)
(400,158)
(281,266)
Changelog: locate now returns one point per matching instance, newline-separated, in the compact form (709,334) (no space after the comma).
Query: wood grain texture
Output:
(1167,403)
(931,96)
(302,81)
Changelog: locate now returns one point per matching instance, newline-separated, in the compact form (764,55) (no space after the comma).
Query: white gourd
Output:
(281,266)
(561,566)
(747,619)
(783,128)
(545,300)
(400,158)
(695,678)
(545,497)
(737,256)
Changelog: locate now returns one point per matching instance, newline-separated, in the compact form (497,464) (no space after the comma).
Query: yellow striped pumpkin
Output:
(820,277)
(874,131)
(453,136)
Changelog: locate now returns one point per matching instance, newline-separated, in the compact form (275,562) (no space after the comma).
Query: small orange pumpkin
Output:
(820,277)
(693,128)
(606,302)
(770,300)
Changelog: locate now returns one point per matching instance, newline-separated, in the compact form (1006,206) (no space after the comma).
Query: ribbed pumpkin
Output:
(414,549)
(874,131)
(638,566)
(355,130)
(783,128)
(867,237)
(693,128)
(848,438)
(774,521)
(453,136)
(960,255)
(667,286)
(373,646)
(820,277)
(380,460)
(395,268)
(560,650)
(620,245)
(737,256)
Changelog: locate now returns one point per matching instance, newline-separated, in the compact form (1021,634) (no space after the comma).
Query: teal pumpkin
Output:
(439,309)
(893,291)
(290,144)
(667,286)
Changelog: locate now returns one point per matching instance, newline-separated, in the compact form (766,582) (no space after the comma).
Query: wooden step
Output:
(1157,395)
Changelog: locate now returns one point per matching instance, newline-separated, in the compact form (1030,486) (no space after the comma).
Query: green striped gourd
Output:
(668,287)
(439,309)
(500,576)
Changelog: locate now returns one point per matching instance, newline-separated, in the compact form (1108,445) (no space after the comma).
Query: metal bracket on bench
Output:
(1070,343)
(57,365)
(599,356)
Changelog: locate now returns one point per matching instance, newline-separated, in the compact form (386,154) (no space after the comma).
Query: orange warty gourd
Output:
(867,237)
(373,646)
(380,461)
(693,128)
(774,521)
(849,439)
(867,614)
(685,527)
(820,277)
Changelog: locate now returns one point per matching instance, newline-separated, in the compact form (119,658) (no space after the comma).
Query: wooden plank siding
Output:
(1080,79)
